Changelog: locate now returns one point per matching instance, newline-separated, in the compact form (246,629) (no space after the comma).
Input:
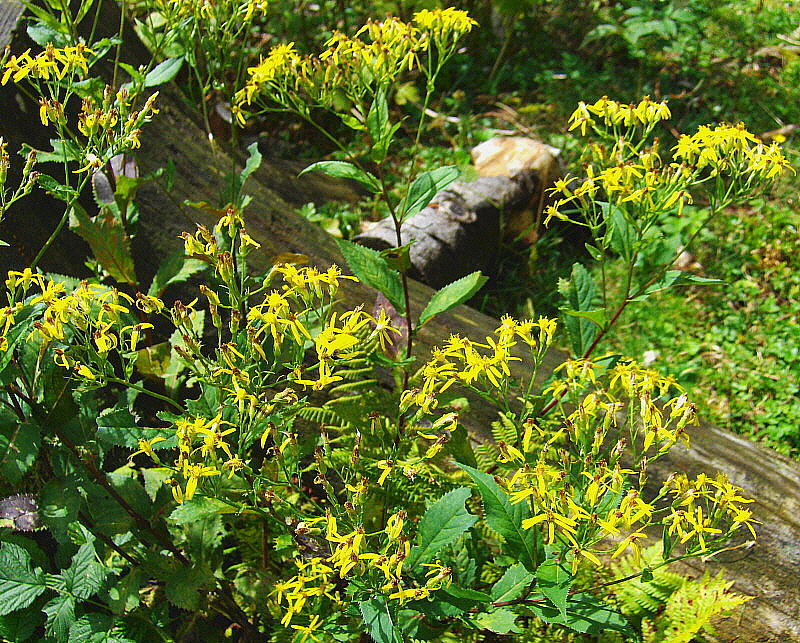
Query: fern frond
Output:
(692,607)
(319,415)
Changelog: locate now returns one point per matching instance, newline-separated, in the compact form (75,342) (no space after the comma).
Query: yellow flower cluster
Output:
(635,180)
(99,315)
(731,149)
(460,360)
(352,66)
(613,114)
(51,64)
(445,26)
(317,577)
(706,507)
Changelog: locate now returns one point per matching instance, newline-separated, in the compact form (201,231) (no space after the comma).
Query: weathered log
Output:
(766,570)
(461,229)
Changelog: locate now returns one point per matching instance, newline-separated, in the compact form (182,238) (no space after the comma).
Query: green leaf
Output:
(378,117)
(505,518)
(345,170)
(184,584)
(554,581)
(20,626)
(373,270)
(55,188)
(426,186)
(451,601)
(117,426)
(85,575)
(443,522)
(176,268)
(621,235)
(19,446)
(154,361)
(108,240)
(62,150)
(20,585)
(253,162)
(123,596)
(198,508)
(98,628)
(579,294)
(673,278)
(597,317)
(452,295)
(583,614)
(378,620)
(500,621)
(514,581)
(60,615)
(163,72)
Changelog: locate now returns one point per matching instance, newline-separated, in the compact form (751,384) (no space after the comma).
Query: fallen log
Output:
(766,571)
(461,229)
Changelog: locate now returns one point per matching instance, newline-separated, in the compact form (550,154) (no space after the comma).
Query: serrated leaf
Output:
(579,294)
(500,621)
(584,614)
(60,615)
(452,295)
(426,186)
(505,518)
(154,361)
(254,159)
(20,584)
(199,507)
(108,240)
(553,581)
(55,188)
(176,268)
(85,575)
(183,586)
(19,446)
(20,625)
(163,72)
(98,628)
(443,522)
(373,270)
(378,116)
(345,170)
(378,620)
(513,582)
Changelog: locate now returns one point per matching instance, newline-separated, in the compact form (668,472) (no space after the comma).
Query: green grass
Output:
(735,347)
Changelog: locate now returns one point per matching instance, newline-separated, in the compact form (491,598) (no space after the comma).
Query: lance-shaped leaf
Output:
(583,614)
(452,295)
(505,518)
(443,522)
(373,270)
(425,187)
(345,170)
(514,581)
(579,294)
